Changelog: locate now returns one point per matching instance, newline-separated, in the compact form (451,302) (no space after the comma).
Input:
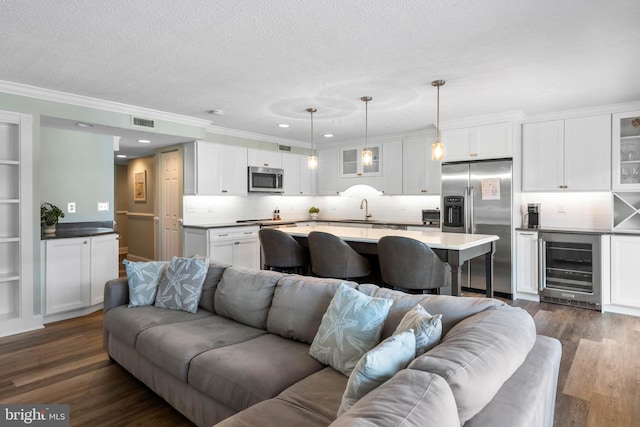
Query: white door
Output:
(170,205)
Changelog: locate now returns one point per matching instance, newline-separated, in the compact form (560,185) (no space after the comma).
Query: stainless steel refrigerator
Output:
(477,198)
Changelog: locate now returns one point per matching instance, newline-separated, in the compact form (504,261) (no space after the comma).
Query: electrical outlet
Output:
(561,208)
(71,207)
(103,206)
(190,209)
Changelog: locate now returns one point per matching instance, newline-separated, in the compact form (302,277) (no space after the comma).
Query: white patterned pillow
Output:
(427,328)
(377,366)
(143,278)
(181,286)
(350,327)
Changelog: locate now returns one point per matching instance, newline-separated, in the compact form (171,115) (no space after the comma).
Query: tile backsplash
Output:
(571,209)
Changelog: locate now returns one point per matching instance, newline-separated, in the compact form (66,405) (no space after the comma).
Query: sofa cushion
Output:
(377,366)
(453,309)
(299,302)
(479,354)
(245,295)
(244,374)
(409,399)
(126,323)
(143,279)
(350,327)
(171,347)
(312,401)
(214,274)
(427,328)
(181,285)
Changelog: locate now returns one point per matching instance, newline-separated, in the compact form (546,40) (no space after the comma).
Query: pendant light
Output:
(437,149)
(312,160)
(367,155)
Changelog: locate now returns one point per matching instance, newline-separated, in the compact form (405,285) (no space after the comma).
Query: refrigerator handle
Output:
(466,209)
(542,263)
(471,201)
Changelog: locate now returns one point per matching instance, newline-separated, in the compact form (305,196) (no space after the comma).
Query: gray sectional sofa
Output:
(243,358)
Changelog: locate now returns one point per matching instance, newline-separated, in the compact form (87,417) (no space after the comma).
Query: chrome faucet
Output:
(365,202)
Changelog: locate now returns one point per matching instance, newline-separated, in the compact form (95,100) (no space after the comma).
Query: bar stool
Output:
(333,257)
(411,266)
(281,252)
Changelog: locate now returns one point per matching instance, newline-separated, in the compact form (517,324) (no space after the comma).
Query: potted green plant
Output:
(49,216)
(314,212)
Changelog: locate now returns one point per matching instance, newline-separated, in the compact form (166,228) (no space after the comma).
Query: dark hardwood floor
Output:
(599,382)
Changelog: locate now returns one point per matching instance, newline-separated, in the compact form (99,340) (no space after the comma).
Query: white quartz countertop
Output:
(433,239)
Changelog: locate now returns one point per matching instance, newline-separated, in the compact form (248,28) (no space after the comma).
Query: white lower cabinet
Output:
(527,262)
(76,270)
(237,246)
(625,271)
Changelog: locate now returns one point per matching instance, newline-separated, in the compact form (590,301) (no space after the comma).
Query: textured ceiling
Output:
(265,62)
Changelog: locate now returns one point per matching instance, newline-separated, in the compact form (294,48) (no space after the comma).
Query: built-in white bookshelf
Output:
(16,224)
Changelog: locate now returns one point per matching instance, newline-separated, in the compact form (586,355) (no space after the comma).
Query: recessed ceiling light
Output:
(84,125)
(283,125)
(144,141)
(328,135)
(121,156)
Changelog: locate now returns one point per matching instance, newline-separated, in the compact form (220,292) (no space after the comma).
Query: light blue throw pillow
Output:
(427,328)
(350,327)
(144,278)
(181,285)
(377,366)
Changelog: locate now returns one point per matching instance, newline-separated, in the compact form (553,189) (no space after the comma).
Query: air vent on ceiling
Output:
(284,147)
(142,123)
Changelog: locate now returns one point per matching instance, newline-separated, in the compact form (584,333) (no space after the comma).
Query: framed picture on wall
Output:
(140,186)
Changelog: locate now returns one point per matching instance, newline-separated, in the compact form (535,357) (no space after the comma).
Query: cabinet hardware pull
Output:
(359,174)
(423,191)
(85,242)
(527,234)
(248,232)
(266,164)
(236,243)
(223,235)
(224,191)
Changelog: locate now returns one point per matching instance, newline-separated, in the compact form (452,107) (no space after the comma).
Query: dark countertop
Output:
(80,229)
(294,221)
(567,230)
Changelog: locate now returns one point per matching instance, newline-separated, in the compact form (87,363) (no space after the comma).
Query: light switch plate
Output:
(71,207)
(103,206)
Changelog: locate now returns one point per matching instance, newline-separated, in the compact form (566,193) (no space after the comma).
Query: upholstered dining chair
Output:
(281,252)
(333,257)
(411,266)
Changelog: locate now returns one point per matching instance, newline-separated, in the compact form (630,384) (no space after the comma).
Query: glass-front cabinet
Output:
(351,162)
(626,151)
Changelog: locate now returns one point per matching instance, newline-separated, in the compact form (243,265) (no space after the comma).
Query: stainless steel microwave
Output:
(265,180)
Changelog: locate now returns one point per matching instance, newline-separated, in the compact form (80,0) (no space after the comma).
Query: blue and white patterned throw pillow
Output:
(181,286)
(427,328)
(377,366)
(144,278)
(350,327)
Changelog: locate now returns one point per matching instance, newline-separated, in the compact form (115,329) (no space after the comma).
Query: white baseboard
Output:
(610,308)
(71,314)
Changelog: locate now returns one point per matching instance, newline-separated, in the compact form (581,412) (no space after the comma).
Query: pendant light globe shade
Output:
(437,151)
(437,148)
(312,160)
(367,155)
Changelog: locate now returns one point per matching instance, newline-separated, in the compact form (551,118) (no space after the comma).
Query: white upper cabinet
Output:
(264,158)
(214,169)
(328,171)
(297,176)
(492,141)
(420,174)
(572,154)
(626,151)
(392,168)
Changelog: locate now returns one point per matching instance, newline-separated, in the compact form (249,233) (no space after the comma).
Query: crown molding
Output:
(217,130)
(583,112)
(509,116)
(100,104)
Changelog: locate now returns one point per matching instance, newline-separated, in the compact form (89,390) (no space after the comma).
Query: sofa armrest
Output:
(411,398)
(116,292)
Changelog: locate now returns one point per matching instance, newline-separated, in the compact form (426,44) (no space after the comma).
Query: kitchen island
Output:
(452,248)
